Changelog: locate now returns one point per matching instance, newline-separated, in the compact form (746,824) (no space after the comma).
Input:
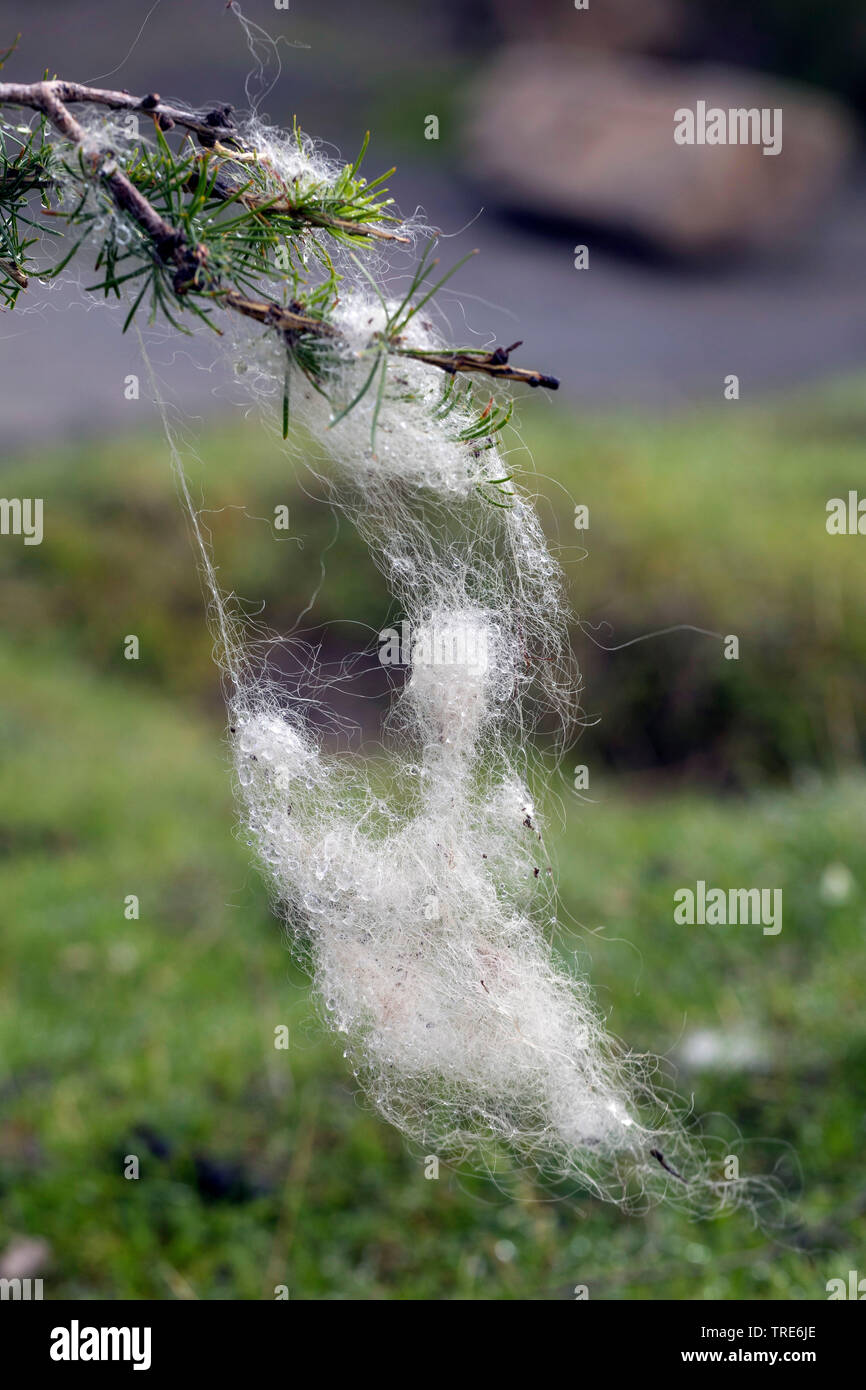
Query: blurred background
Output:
(155,1036)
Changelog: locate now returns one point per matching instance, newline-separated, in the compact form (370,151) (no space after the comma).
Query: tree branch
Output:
(213,125)
(493,364)
(171,244)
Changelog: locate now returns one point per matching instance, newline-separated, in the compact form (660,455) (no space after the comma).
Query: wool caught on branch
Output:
(427,918)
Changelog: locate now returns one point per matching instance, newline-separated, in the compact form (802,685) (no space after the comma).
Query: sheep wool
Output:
(428,917)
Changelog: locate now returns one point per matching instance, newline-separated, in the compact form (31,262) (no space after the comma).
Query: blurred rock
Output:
(594,143)
(25,1257)
(651,25)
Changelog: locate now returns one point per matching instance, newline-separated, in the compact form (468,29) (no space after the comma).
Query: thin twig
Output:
(494,364)
(660,1158)
(213,125)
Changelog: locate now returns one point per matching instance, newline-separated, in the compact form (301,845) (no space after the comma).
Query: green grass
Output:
(120,1037)
(154,1036)
(717,519)
(711,519)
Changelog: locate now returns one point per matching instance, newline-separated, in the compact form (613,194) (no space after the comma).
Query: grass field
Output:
(154,1037)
